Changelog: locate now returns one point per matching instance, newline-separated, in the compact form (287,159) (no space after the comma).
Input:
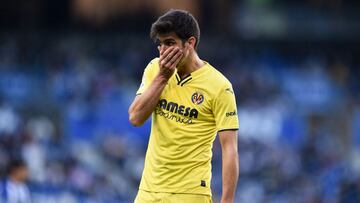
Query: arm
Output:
(230,164)
(144,104)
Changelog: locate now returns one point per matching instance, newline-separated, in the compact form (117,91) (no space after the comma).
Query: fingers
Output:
(171,55)
(174,60)
(165,53)
(168,60)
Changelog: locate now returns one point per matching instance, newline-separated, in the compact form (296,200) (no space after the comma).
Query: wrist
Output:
(161,79)
(227,199)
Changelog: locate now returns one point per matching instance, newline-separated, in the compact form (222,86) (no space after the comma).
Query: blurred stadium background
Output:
(69,70)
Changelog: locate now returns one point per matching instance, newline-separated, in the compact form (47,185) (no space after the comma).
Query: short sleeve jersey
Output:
(185,122)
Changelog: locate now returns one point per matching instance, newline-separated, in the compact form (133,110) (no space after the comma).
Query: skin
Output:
(174,53)
(19,175)
(230,164)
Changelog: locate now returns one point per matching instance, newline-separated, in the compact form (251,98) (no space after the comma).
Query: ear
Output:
(192,42)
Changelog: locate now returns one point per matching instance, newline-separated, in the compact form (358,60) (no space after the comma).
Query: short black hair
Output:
(15,164)
(181,22)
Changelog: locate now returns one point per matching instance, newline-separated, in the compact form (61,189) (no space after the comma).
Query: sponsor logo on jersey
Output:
(233,113)
(179,109)
(197,98)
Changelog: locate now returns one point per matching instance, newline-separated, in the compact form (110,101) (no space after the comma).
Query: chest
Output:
(191,100)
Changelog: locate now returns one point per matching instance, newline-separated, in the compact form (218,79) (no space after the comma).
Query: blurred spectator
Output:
(350,192)
(14,188)
(9,120)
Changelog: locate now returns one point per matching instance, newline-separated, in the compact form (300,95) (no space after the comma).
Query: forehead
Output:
(169,36)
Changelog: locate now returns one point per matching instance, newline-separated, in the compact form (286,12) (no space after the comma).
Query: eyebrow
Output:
(169,39)
(166,40)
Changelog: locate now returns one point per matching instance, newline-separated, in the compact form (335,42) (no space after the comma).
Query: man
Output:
(14,189)
(190,101)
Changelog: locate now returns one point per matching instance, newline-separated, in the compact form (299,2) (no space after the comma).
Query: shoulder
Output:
(153,63)
(154,60)
(217,80)
(152,67)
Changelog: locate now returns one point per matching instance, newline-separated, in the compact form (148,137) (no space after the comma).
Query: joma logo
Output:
(231,113)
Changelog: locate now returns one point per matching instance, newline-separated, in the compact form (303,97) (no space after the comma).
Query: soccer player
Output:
(190,102)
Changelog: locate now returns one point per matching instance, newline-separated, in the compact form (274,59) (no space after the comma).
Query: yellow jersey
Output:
(185,122)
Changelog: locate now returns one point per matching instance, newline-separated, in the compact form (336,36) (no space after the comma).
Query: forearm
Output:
(141,108)
(230,173)
(144,105)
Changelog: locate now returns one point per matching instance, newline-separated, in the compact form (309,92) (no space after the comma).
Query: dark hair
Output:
(181,22)
(15,164)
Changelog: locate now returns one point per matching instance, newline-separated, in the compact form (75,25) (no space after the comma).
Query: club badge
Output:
(197,98)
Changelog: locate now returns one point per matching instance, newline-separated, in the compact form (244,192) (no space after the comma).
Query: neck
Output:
(192,64)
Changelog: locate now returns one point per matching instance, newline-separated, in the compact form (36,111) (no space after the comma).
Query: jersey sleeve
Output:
(147,77)
(225,109)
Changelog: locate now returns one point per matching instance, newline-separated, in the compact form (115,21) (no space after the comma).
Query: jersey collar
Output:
(192,75)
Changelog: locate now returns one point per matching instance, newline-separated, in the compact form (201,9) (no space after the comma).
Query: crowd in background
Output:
(64,101)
